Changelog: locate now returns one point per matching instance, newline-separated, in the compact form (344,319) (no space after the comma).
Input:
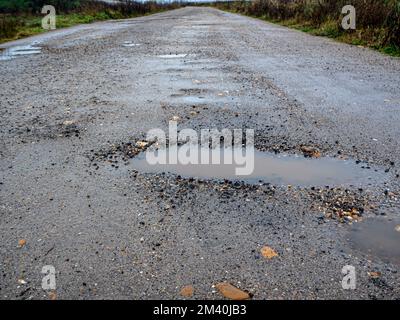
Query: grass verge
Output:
(17,27)
(364,37)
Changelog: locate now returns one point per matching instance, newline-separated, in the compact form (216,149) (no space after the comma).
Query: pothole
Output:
(377,238)
(12,52)
(277,169)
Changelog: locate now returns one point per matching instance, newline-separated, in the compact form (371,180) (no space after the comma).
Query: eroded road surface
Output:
(75,103)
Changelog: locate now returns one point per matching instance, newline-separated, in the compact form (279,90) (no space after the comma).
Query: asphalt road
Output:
(68,114)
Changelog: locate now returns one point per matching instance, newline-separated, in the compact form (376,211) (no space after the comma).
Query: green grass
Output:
(391,50)
(30,25)
(27,25)
(360,38)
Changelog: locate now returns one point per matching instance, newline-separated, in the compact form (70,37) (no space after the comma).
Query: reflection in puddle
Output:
(377,238)
(270,168)
(129,44)
(12,52)
(172,56)
(197,100)
(193,100)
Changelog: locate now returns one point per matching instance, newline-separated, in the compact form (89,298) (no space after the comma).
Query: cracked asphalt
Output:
(70,114)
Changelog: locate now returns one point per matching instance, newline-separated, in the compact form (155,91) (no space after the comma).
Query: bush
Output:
(8,26)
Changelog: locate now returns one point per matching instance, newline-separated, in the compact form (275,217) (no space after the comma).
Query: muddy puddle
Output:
(12,52)
(269,168)
(377,238)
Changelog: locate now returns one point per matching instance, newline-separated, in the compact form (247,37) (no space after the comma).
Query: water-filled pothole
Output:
(277,169)
(12,52)
(377,238)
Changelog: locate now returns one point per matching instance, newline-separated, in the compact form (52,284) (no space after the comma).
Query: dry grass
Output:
(378,21)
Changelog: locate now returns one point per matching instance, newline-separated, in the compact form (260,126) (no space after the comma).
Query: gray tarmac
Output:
(71,116)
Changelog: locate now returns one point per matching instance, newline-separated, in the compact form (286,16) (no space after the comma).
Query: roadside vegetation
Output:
(378,21)
(22,18)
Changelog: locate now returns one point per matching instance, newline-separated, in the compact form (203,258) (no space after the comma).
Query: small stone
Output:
(397,228)
(310,152)
(52,295)
(21,243)
(374,274)
(187,291)
(268,252)
(142,144)
(175,118)
(231,292)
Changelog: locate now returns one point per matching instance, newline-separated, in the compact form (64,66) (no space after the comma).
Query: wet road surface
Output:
(73,111)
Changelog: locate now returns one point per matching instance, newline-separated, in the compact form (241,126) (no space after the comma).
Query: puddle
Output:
(377,238)
(192,100)
(271,168)
(9,53)
(172,56)
(129,44)
(198,99)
